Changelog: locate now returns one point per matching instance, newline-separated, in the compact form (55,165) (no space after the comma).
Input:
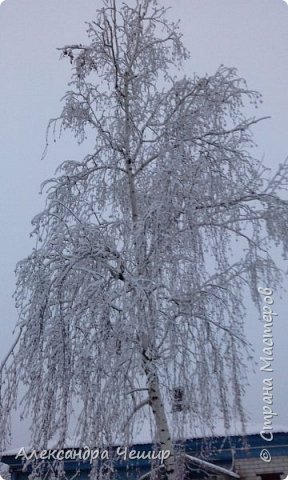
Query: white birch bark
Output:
(158,409)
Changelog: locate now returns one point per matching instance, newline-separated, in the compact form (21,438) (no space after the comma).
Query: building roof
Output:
(215,455)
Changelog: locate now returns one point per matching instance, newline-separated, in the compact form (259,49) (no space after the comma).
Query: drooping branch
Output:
(210,466)
(11,351)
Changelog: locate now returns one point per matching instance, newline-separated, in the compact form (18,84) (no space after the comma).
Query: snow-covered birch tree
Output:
(131,303)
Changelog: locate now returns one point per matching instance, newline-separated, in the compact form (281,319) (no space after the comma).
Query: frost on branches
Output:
(131,304)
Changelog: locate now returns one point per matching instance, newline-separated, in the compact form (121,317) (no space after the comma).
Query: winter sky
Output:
(251,35)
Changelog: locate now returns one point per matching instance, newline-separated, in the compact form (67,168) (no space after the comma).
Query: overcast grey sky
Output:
(251,35)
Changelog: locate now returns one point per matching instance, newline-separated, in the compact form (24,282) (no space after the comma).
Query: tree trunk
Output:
(158,409)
